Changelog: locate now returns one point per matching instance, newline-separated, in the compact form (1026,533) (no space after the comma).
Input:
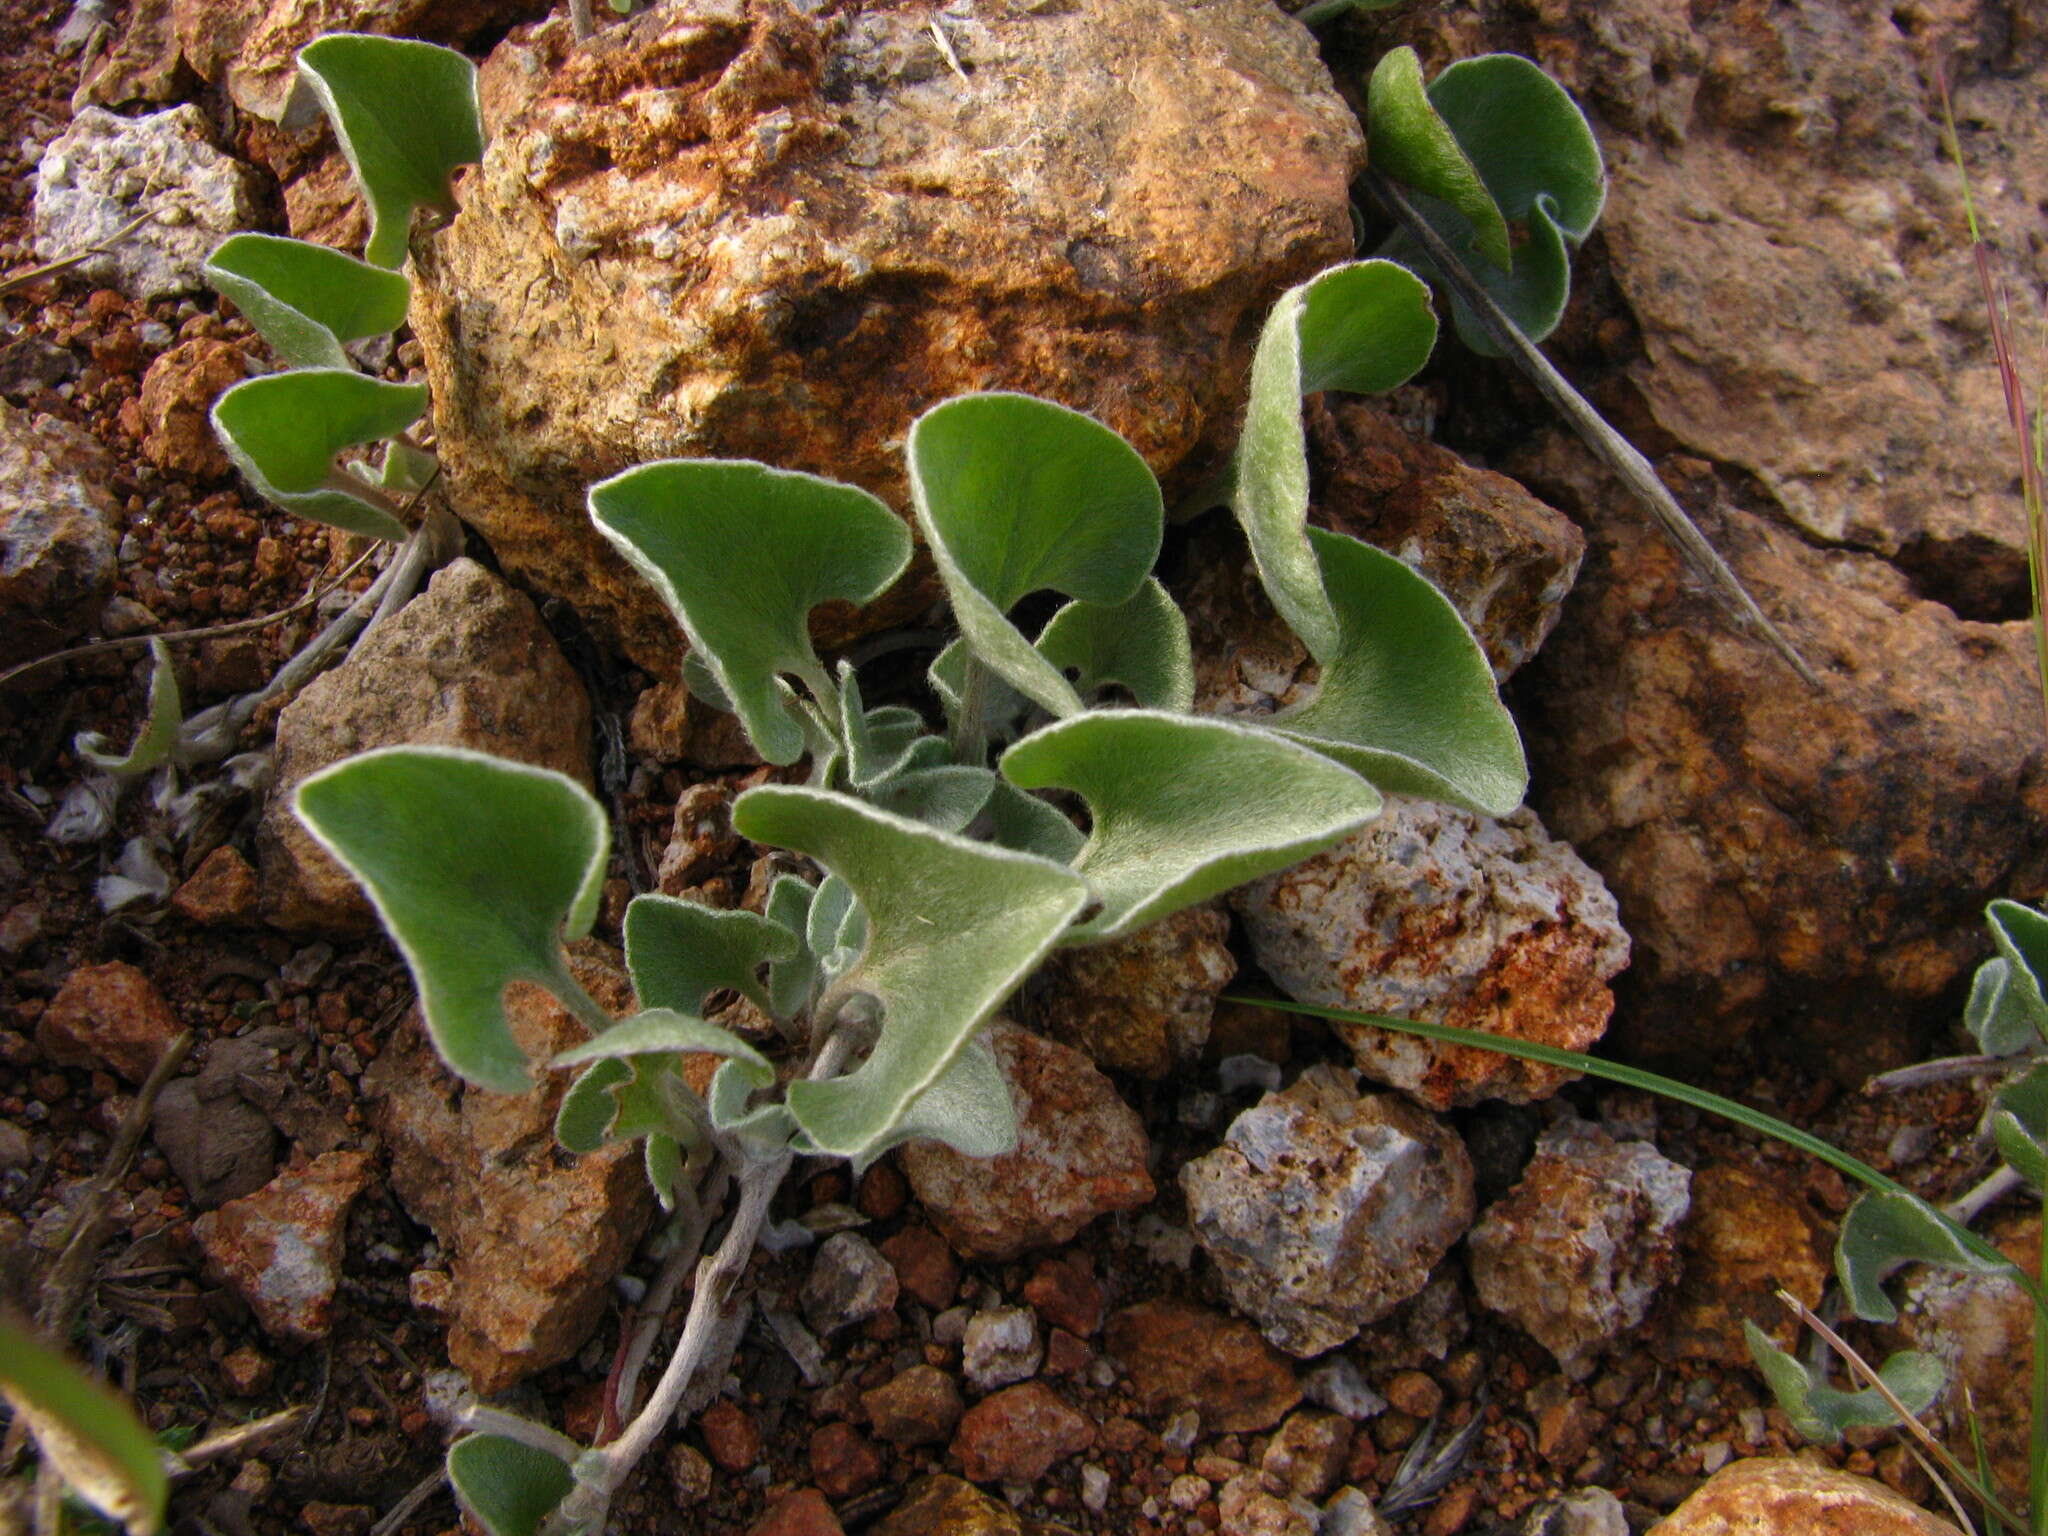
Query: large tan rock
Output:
(57,531)
(467,663)
(1793,308)
(728,228)
(1784,1496)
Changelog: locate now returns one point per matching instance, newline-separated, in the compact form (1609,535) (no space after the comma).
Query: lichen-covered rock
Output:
(1080,1154)
(1787,1496)
(1435,913)
(103,171)
(1579,1249)
(1139,1004)
(534,1238)
(1324,1210)
(57,526)
(467,663)
(281,1247)
(730,227)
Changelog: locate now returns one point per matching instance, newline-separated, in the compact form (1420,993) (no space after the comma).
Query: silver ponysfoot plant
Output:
(945,857)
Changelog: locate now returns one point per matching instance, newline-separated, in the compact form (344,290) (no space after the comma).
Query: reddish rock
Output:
(57,527)
(222,890)
(920,1406)
(802,1513)
(729,1435)
(1139,1004)
(701,840)
(1785,1494)
(843,1461)
(1309,1453)
(1081,1153)
(924,1265)
(178,392)
(280,1248)
(1248,1509)
(882,1193)
(1066,1293)
(320,1519)
(247,1371)
(108,1016)
(946,1506)
(1018,1434)
(534,1238)
(1066,1355)
(1179,1356)
(1747,1237)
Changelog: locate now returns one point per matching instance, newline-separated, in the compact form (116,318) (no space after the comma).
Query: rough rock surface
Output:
(103,171)
(467,663)
(849,1283)
(1784,1496)
(535,1237)
(1503,558)
(1434,913)
(281,1247)
(946,1506)
(1748,1236)
(177,394)
(109,1016)
(1179,1356)
(919,1406)
(1080,1154)
(795,233)
(1813,367)
(1577,1252)
(1141,1004)
(221,891)
(216,1138)
(1323,1210)
(1018,1434)
(56,533)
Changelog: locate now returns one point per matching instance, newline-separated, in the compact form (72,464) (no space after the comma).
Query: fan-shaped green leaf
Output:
(1534,150)
(307,300)
(480,869)
(1141,645)
(2019,1124)
(881,743)
(158,736)
(968,1108)
(1016,495)
(952,928)
(86,1431)
(947,797)
(506,1485)
(1821,1412)
(703,683)
(1407,697)
(660,1032)
(2006,1012)
(1186,807)
(1366,326)
(1411,143)
(680,951)
(1885,1229)
(285,431)
(407,118)
(1028,824)
(743,553)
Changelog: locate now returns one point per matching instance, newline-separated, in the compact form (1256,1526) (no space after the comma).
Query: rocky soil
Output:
(1243,1274)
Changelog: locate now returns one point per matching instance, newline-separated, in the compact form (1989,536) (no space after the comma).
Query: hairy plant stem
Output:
(1614,450)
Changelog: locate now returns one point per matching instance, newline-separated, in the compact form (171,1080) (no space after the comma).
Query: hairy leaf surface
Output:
(2019,1124)
(481,869)
(1410,142)
(407,118)
(742,553)
(307,300)
(679,951)
(1822,1412)
(2006,1012)
(286,431)
(1885,1230)
(1016,495)
(1141,645)
(158,735)
(88,1433)
(510,1487)
(1186,807)
(952,928)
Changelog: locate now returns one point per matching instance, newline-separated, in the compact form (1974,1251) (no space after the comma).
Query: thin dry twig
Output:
(1614,450)
(77,258)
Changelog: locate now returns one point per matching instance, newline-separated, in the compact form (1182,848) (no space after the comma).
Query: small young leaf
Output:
(1406,697)
(89,1434)
(1533,148)
(2006,1012)
(1186,807)
(1016,495)
(506,1485)
(732,1089)
(680,951)
(662,1157)
(583,1122)
(835,922)
(952,928)
(1366,327)
(1002,706)
(2019,1124)
(1885,1230)
(742,553)
(1141,645)
(285,431)
(1821,1412)
(881,743)
(481,869)
(157,738)
(660,1032)
(968,1108)
(947,797)
(1028,824)
(406,116)
(1412,144)
(791,981)
(307,300)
